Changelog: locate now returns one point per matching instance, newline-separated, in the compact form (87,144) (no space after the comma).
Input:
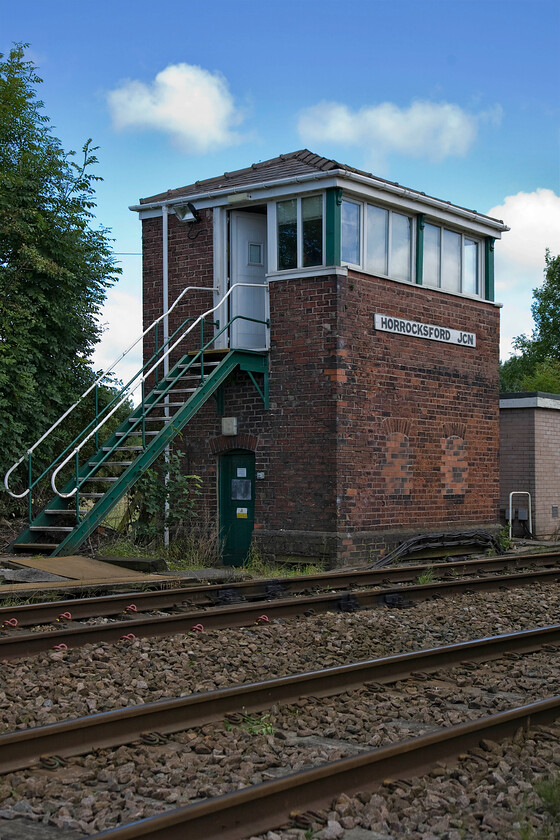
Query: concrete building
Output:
(530,462)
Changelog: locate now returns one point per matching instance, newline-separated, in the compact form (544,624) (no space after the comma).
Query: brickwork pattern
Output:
(397,465)
(454,467)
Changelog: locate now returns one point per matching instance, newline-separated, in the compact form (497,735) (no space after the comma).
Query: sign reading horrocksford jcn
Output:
(434,332)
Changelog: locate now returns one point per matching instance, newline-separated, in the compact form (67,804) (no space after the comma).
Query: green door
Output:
(237,505)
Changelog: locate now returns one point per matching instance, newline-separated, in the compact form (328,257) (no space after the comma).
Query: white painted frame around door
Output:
(248,264)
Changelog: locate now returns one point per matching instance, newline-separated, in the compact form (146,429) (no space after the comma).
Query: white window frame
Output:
(363,205)
(273,232)
(480,260)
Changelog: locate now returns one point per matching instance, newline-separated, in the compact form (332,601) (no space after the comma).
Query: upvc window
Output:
(300,232)
(451,261)
(387,240)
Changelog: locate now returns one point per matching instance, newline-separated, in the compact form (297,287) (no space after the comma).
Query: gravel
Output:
(117,786)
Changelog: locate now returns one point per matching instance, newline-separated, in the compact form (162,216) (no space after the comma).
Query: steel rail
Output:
(266,589)
(215,618)
(259,808)
(120,726)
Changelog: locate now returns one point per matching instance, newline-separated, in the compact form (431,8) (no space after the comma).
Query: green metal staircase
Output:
(77,509)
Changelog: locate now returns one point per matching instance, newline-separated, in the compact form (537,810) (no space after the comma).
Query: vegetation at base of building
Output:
(258,565)
(536,366)
(165,497)
(55,268)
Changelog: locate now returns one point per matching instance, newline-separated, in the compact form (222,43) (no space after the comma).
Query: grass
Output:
(548,792)
(253,725)
(427,576)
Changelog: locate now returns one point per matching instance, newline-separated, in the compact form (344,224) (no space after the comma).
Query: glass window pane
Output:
(432,243)
(241,489)
(286,213)
(312,222)
(470,266)
(350,251)
(377,230)
(401,243)
(451,261)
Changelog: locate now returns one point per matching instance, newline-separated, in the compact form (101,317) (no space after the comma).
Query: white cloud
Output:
(534,219)
(122,321)
(192,105)
(423,130)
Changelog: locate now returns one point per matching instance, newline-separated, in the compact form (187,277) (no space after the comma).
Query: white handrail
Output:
(511,495)
(140,382)
(91,387)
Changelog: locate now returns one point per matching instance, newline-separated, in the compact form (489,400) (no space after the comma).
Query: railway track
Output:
(237,815)
(15,643)
(121,726)
(213,742)
(277,801)
(208,595)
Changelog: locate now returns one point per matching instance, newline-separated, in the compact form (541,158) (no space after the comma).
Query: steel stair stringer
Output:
(249,361)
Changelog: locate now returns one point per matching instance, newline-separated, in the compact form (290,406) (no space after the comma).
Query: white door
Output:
(248,264)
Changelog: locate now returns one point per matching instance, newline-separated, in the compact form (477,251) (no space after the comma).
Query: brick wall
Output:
(433,388)
(189,264)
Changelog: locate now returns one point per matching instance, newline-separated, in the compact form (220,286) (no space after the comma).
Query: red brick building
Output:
(376,416)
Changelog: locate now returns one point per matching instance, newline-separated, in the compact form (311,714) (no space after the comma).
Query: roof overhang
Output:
(360,186)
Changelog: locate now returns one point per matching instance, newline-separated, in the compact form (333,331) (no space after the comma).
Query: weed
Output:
(253,725)
(427,576)
(503,539)
(548,791)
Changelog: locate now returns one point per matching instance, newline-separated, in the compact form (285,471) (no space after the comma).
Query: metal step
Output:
(134,433)
(110,463)
(122,449)
(66,528)
(35,547)
(101,478)
(66,512)
(91,496)
(150,419)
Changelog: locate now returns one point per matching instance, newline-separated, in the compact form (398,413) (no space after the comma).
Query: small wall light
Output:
(187,212)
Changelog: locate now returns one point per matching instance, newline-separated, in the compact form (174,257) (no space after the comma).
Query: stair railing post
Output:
(202,350)
(29,486)
(96,416)
(156,351)
(143,417)
(77,494)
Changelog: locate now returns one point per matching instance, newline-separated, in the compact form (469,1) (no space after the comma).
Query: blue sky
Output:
(457,99)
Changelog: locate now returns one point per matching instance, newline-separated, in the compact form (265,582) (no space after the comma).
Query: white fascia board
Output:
(258,193)
(435,210)
(361,186)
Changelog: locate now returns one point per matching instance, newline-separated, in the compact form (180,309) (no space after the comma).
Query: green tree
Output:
(55,266)
(537,365)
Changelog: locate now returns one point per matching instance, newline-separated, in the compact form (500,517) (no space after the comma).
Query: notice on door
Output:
(242,513)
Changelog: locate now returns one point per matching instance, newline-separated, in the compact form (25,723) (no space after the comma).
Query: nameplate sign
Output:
(433,332)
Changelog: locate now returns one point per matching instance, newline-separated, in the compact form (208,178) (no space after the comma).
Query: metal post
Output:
(29,485)
(143,417)
(96,418)
(77,487)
